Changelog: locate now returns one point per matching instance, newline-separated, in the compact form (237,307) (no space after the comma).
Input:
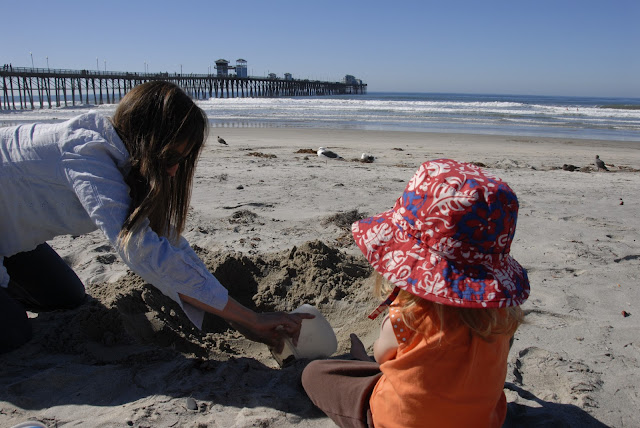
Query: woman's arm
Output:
(269,328)
(173,268)
(385,347)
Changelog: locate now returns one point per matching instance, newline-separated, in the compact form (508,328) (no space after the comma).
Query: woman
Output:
(131,177)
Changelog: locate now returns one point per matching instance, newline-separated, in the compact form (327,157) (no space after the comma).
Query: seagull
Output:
(366,158)
(221,141)
(600,164)
(327,154)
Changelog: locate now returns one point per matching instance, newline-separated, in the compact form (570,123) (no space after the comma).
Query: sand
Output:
(272,223)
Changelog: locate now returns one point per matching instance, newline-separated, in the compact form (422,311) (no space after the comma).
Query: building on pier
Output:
(351,80)
(241,68)
(222,67)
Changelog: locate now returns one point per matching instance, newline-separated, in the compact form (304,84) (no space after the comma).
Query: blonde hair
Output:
(482,322)
(152,120)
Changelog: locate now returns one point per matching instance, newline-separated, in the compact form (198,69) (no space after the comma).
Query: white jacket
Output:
(68,178)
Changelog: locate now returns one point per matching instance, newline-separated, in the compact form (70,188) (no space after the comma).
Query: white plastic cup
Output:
(317,338)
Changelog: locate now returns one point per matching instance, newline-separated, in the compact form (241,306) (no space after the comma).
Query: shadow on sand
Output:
(546,414)
(57,368)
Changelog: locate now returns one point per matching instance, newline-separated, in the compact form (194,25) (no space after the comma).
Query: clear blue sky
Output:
(589,48)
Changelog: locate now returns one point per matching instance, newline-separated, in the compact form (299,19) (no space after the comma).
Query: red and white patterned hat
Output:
(447,239)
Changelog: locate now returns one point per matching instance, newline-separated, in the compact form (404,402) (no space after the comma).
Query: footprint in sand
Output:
(107,259)
(550,376)
(548,320)
(566,271)
(579,219)
(103,248)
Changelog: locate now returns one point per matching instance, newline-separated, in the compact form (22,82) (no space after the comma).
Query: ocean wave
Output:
(613,119)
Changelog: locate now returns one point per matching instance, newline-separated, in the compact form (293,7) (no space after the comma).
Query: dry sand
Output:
(272,224)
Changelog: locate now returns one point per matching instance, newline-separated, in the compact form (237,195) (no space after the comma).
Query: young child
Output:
(453,297)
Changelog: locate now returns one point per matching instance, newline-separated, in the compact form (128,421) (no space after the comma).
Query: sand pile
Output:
(124,315)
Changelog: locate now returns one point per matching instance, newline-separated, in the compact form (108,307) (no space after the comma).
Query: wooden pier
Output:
(30,88)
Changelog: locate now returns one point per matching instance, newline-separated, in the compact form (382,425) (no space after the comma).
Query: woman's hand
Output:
(270,328)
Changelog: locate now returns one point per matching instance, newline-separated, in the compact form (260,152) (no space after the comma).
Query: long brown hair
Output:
(482,322)
(152,120)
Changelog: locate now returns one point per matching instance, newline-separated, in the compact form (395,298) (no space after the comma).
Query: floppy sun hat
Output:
(447,239)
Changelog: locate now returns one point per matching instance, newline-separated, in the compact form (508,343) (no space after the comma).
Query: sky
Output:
(555,47)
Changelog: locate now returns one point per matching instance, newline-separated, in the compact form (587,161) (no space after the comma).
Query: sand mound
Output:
(130,313)
(344,220)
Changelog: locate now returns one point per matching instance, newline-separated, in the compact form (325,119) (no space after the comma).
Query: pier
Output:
(24,88)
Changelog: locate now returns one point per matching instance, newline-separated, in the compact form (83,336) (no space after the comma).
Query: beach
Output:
(272,221)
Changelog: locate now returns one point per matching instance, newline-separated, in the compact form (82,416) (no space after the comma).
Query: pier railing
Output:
(30,88)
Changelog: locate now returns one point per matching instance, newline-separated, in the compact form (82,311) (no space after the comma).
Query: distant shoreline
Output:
(622,106)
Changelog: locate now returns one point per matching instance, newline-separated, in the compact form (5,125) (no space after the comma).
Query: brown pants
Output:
(341,389)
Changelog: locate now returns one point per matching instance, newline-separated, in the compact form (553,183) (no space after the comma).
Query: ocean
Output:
(536,116)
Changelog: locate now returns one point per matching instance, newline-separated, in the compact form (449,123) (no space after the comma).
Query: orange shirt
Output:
(441,379)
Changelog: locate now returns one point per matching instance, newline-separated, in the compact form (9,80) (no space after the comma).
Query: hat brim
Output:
(428,274)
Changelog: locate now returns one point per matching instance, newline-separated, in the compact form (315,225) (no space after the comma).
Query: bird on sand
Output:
(221,141)
(600,164)
(366,158)
(327,154)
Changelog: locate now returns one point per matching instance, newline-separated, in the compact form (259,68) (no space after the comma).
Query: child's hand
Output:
(358,350)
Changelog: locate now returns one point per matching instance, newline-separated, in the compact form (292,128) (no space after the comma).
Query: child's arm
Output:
(385,347)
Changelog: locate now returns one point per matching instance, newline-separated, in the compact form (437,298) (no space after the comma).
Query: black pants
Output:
(40,281)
